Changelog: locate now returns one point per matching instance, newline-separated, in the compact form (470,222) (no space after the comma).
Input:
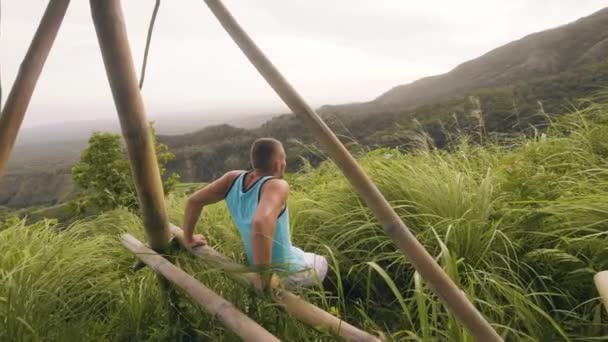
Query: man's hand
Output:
(197,240)
(211,193)
(264,284)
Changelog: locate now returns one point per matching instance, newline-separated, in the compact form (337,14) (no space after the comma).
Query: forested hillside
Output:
(518,108)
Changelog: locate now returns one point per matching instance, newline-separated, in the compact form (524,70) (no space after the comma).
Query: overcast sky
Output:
(333,51)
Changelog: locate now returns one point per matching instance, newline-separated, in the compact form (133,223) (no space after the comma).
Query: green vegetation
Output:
(520,226)
(103,174)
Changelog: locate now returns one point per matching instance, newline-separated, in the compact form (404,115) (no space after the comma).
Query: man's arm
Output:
(211,193)
(272,200)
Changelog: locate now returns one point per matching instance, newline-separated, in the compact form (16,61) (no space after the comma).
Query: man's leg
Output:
(316,270)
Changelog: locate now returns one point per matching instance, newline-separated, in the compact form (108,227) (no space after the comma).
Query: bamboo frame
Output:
(111,33)
(425,264)
(300,309)
(601,282)
(228,314)
(114,44)
(21,92)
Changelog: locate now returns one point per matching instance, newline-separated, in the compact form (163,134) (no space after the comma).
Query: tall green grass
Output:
(520,228)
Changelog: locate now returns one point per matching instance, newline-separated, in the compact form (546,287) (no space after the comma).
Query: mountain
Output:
(542,54)
(174,123)
(535,56)
(512,89)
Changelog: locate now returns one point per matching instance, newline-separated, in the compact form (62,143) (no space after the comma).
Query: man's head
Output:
(268,156)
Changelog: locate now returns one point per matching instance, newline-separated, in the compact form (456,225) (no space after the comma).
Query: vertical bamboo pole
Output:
(21,93)
(116,52)
(426,265)
(601,282)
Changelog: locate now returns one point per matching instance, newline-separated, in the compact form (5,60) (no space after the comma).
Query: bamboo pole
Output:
(21,93)
(227,313)
(601,282)
(394,227)
(116,52)
(298,308)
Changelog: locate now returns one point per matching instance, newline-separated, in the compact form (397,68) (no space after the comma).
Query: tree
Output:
(104,177)
(164,155)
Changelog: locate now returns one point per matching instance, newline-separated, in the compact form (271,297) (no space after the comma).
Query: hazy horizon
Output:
(333,52)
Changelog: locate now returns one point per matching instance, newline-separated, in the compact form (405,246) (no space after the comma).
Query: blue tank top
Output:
(242,204)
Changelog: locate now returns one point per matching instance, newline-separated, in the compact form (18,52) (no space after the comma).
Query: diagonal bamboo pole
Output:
(601,282)
(394,227)
(300,309)
(116,52)
(230,316)
(21,93)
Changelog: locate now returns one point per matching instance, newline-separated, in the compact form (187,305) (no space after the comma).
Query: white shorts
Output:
(314,274)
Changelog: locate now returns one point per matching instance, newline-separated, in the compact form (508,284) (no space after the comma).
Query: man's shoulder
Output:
(233,173)
(278,184)
(230,176)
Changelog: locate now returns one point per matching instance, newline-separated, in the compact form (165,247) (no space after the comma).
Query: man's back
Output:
(242,200)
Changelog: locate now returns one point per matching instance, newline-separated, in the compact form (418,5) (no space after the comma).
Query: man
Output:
(257,202)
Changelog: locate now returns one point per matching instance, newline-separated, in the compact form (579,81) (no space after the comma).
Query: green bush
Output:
(103,174)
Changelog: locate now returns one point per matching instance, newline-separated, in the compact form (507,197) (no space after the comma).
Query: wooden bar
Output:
(228,314)
(118,61)
(298,308)
(601,282)
(394,227)
(21,93)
